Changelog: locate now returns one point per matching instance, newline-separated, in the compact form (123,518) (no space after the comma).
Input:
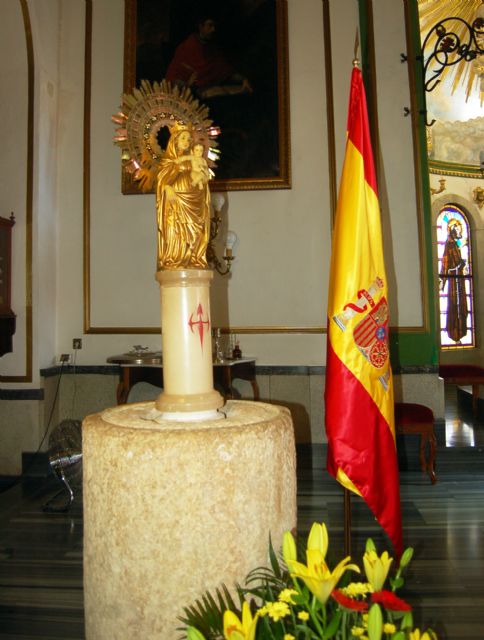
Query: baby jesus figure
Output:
(199,174)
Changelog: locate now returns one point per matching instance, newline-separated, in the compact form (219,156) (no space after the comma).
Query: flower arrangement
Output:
(307,601)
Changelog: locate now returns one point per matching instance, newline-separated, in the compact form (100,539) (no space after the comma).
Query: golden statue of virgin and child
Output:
(183,202)
(179,174)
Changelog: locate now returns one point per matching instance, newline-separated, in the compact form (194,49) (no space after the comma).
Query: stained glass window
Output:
(456,300)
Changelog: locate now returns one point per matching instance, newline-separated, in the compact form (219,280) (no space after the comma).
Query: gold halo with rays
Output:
(144,112)
(432,12)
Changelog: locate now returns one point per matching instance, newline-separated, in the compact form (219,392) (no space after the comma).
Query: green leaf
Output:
(333,626)
(299,599)
(407,621)
(206,614)
(225,600)
(276,568)
(194,634)
(396,583)
(397,615)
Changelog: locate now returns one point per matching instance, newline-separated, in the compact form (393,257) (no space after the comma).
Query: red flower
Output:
(349,603)
(390,601)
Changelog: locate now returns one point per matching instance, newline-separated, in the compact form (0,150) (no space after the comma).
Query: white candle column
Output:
(188,392)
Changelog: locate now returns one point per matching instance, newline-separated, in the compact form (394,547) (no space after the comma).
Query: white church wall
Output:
(13,172)
(46,28)
(280,275)
(398,198)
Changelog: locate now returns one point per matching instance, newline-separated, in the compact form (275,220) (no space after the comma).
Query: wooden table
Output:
(149,368)
(464,375)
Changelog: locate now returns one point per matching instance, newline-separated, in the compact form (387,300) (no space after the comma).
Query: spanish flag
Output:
(359,390)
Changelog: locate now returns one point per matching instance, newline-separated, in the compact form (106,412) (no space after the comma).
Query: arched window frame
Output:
(455,278)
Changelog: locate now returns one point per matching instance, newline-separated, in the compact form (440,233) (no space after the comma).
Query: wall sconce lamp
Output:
(218,202)
(434,192)
(478,196)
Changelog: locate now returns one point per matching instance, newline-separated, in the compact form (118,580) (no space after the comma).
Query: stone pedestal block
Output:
(174,509)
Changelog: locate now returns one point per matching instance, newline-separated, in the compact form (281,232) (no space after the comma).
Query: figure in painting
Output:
(454,264)
(201,65)
(216,75)
(182,203)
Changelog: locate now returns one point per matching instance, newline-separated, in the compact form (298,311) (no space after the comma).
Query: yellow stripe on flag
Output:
(352,240)
(359,407)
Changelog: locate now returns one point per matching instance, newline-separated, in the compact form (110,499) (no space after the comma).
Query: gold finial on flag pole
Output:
(356,60)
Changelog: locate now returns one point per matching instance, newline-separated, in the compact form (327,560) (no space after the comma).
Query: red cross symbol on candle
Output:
(200,323)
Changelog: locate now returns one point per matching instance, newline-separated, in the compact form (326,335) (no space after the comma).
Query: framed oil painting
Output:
(233,55)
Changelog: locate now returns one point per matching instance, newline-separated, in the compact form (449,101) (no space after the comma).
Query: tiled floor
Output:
(41,554)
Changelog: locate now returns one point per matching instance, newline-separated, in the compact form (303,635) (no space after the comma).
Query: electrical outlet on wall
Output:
(65,358)
(77,343)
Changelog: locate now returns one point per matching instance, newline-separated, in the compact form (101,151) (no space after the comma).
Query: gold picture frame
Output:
(255,133)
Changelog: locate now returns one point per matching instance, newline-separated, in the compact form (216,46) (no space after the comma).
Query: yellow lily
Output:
(318,538)
(426,635)
(316,575)
(235,629)
(289,552)
(376,568)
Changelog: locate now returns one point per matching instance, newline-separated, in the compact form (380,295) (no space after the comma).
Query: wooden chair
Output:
(418,419)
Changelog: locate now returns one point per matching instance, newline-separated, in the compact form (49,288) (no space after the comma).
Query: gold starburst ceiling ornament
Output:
(142,115)
(448,44)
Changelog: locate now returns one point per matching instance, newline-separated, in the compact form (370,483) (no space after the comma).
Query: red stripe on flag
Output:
(357,128)
(361,443)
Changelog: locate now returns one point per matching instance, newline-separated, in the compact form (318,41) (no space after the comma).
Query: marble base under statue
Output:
(174,509)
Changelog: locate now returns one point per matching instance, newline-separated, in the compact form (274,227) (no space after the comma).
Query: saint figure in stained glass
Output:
(455,279)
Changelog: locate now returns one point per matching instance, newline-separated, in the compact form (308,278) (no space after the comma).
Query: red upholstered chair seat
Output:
(408,413)
(413,418)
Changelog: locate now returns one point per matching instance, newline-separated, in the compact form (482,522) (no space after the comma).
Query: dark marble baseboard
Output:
(21,394)
(262,370)
(70,369)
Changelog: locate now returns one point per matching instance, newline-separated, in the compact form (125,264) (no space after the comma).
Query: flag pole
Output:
(347,492)
(347,521)
(357,46)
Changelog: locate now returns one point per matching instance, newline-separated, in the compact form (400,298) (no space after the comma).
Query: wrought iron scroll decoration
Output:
(450,48)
